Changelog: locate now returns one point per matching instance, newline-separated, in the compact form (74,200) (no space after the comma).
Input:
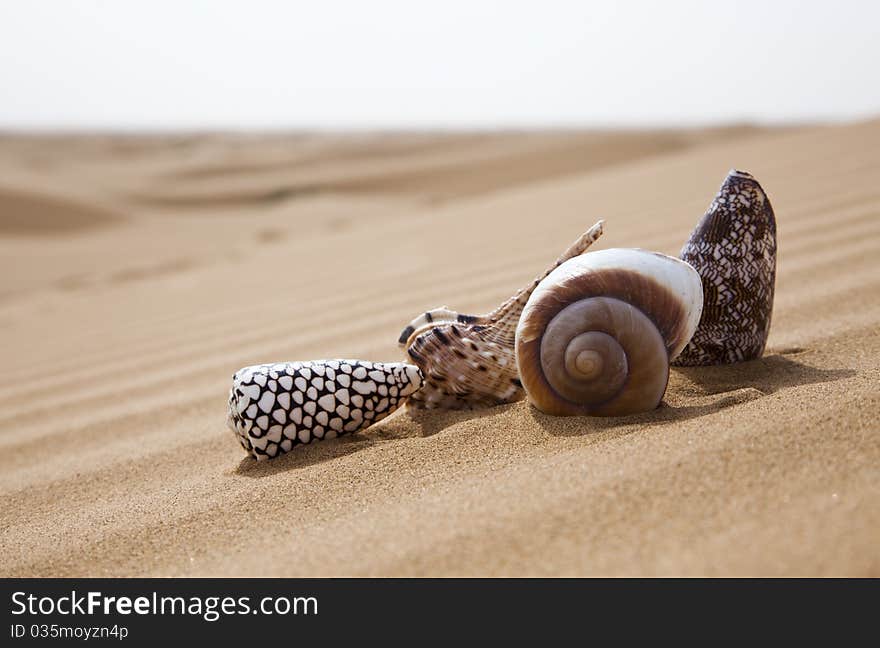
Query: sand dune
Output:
(28,213)
(119,344)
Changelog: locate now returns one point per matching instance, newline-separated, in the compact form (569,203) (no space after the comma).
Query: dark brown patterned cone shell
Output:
(733,248)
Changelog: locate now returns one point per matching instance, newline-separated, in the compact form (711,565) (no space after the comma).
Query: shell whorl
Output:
(733,248)
(275,407)
(597,334)
(469,360)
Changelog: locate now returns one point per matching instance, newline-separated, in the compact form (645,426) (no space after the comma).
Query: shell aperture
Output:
(274,407)
(469,360)
(733,247)
(597,334)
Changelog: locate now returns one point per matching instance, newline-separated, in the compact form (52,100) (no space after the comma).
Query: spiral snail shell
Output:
(597,334)
(733,248)
(274,407)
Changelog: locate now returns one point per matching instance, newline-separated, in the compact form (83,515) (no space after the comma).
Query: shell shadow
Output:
(693,392)
(767,375)
(406,424)
(303,456)
(431,422)
(700,391)
(391,429)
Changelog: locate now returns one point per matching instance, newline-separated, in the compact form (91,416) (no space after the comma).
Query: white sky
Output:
(444,63)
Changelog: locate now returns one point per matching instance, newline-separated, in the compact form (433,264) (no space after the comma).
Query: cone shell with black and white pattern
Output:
(733,248)
(274,407)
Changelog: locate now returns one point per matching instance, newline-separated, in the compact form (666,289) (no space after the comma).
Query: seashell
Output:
(597,334)
(734,249)
(274,407)
(468,360)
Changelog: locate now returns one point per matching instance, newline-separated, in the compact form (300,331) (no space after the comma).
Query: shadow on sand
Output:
(303,456)
(713,388)
(403,425)
(396,427)
(710,389)
(767,375)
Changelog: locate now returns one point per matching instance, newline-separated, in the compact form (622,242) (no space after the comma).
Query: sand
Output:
(137,273)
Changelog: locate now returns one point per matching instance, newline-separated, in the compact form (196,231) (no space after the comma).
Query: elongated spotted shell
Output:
(275,407)
(468,360)
(597,334)
(733,248)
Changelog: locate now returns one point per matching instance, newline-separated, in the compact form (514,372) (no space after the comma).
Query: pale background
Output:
(400,64)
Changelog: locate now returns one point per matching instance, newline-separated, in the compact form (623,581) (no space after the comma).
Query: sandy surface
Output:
(137,274)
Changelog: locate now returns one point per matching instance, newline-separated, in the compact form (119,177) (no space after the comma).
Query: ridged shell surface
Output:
(468,360)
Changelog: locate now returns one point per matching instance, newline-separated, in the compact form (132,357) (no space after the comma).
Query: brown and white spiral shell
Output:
(597,334)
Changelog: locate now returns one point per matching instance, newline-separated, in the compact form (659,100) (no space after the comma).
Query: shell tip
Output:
(739,173)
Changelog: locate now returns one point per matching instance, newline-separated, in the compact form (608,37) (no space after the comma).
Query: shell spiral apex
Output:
(733,248)
(597,334)
(274,407)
